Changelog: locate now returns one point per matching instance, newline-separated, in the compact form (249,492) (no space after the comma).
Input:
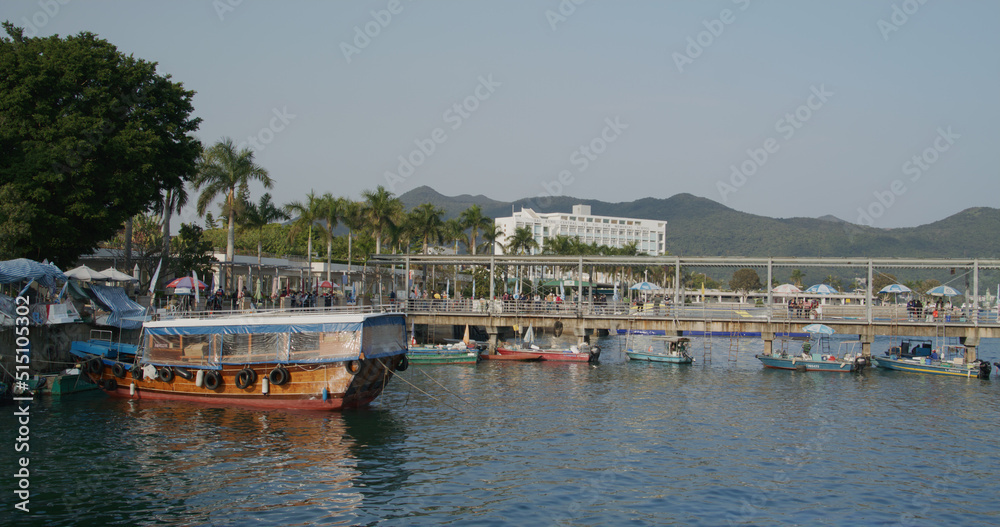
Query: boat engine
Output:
(984,369)
(595,354)
(860,363)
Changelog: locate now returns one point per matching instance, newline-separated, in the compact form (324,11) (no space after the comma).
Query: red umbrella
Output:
(185,281)
(325,284)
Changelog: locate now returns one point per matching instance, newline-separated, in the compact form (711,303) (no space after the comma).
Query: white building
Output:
(648,235)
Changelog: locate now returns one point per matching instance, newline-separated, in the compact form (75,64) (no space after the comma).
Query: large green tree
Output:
(89,137)
(259,215)
(472,219)
(381,210)
(744,281)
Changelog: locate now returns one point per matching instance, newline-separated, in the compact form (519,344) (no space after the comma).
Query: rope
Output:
(444,387)
(459,410)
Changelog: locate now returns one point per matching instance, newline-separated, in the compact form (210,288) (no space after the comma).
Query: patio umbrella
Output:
(818,329)
(85,273)
(185,281)
(943,290)
(895,288)
(118,276)
(326,284)
(821,289)
(645,286)
(786,289)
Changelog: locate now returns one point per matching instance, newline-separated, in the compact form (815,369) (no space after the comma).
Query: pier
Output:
(769,318)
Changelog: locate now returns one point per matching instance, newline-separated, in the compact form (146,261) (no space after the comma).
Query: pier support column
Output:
(582,337)
(492,332)
(768,342)
(866,344)
(970,343)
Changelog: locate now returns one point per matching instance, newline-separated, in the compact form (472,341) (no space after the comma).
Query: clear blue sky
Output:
(926,79)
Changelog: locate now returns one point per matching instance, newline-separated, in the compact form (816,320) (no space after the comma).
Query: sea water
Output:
(720,442)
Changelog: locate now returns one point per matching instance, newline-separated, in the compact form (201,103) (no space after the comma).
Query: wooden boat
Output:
(673,350)
(435,355)
(586,354)
(951,362)
(321,360)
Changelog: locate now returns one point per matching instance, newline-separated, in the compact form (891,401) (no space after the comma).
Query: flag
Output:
(156,275)
(194,281)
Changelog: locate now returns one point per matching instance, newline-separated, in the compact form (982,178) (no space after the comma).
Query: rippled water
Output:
(536,444)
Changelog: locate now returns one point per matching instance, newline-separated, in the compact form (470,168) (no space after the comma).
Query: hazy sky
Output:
(820,107)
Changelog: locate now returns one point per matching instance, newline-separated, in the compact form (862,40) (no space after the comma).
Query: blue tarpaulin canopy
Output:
(125,313)
(24,269)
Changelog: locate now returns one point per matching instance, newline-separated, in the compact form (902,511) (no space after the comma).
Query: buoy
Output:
(199,378)
(264,385)
(326,395)
(131,390)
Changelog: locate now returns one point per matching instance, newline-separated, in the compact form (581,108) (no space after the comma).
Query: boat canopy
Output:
(268,339)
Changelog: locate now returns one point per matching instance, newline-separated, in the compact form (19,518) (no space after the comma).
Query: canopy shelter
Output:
(124,313)
(19,269)
(567,283)
(86,274)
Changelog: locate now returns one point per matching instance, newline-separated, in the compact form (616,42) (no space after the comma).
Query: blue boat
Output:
(442,355)
(813,362)
(951,362)
(673,350)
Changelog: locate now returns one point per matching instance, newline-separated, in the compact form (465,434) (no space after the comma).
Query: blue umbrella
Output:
(821,289)
(943,290)
(895,288)
(821,329)
(645,286)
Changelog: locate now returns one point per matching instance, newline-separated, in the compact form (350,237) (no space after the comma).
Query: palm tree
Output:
(224,170)
(425,220)
(797,277)
(381,209)
(522,241)
(257,216)
(308,213)
(350,215)
(490,237)
(454,231)
(173,201)
(472,218)
(329,214)
(560,244)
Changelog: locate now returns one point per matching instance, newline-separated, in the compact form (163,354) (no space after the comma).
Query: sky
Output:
(879,112)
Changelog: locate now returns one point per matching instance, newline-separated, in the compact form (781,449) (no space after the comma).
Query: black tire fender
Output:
(118,370)
(278,376)
(165,374)
(213,380)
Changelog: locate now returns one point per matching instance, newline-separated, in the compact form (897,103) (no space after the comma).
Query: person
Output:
(935,355)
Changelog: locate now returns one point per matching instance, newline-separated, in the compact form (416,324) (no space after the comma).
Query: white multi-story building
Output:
(648,235)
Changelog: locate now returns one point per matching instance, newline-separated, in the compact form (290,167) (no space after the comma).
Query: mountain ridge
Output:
(700,226)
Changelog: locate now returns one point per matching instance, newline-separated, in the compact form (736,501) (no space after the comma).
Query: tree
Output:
(351,216)
(307,213)
(257,216)
(881,280)
(173,201)
(81,123)
(522,241)
(797,276)
(744,281)
(193,253)
(225,171)
(146,239)
(329,214)
(425,220)
(454,231)
(381,209)
(472,219)
(490,237)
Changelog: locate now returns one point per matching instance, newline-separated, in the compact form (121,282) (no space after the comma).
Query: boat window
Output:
(247,348)
(179,349)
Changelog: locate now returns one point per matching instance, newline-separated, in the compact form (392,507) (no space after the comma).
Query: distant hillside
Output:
(702,227)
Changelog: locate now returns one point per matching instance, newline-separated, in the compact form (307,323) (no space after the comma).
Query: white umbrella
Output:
(118,276)
(645,286)
(895,288)
(786,289)
(85,273)
(821,329)
(943,290)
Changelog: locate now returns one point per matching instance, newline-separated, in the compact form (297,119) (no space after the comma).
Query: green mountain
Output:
(702,227)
